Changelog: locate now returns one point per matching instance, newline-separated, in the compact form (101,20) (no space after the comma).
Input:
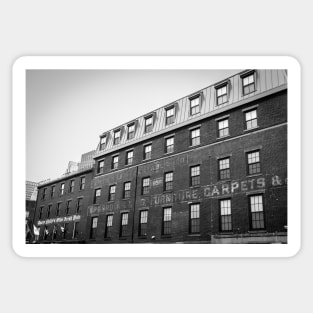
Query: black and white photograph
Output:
(156,156)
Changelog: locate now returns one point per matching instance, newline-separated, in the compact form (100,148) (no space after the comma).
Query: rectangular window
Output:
(127,187)
(124,225)
(78,204)
(44,193)
(68,204)
(57,209)
(45,233)
(72,184)
(251,119)
(40,212)
(112,191)
(49,210)
(257,214)
(194,106)
(100,168)
(148,124)
(223,129)
(143,221)
(82,183)
(169,145)
(129,157)
(147,152)
(117,137)
(168,181)
(195,175)
(94,225)
(221,95)
(131,131)
(66,230)
(224,168)
(52,191)
(167,221)
(114,162)
(108,226)
(62,189)
(225,219)
(195,137)
(194,218)
(254,165)
(54,232)
(169,115)
(145,185)
(97,196)
(102,142)
(248,84)
(75,230)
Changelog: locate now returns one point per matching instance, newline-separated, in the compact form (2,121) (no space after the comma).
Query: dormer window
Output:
(103,142)
(221,93)
(169,115)
(148,123)
(117,137)
(195,104)
(248,82)
(131,131)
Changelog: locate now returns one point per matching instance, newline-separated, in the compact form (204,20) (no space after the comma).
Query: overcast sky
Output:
(67,110)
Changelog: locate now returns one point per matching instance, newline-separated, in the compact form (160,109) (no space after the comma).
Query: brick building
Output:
(210,167)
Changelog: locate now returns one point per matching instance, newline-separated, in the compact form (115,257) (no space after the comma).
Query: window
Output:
(103,142)
(167,221)
(223,129)
(49,210)
(148,124)
(68,204)
(45,233)
(225,211)
(195,137)
(251,119)
(147,152)
(145,185)
(254,165)
(169,115)
(248,84)
(82,183)
(94,224)
(124,224)
(195,175)
(75,230)
(168,181)
(66,230)
(62,189)
(52,191)
(169,145)
(97,196)
(221,95)
(143,220)
(131,131)
(108,227)
(257,214)
(194,105)
(72,184)
(57,209)
(129,157)
(100,168)
(114,162)
(117,137)
(54,232)
(112,191)
(224,168)
(78,204)
(127,190)
(194,218)
(40,212)
(44,193)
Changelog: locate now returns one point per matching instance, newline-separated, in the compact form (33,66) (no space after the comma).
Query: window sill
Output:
(221,138)
(251,129)
(168,191)
(192,115)
(146,160)
(168,153)
(192,146)
(254,175)
(257,231)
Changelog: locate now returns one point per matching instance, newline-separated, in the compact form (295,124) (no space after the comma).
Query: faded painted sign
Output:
(108,207)
(59,220)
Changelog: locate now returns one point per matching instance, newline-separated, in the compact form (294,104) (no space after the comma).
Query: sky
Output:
(67,110)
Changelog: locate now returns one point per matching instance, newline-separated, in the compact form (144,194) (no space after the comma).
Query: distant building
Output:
(210,167)
(31,196)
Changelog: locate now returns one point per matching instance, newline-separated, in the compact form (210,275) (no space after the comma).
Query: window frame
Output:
(96,198)
(191,219)
(142,230)
(197,139)
(102,144)
(192,107)
(147,155)
(169,120)
(131,135)
(58,209)
(44,193)
(62,189)
(243,85)
(78,204)
(114,165)
(112,195)
(168,184)
(167,146)
(126,192)
(100,169)
(251,121)
(148,127)
(117,139)
(93,230)
(127,161)
(67,208)
(52,193)
(251,213)
(72,186)
(108,226)
(123,227)
(166,223)
(252,165)
(221,175)
(222,220)
(194,177)
(221,130)
(75,230)
(145,190)
(223,96)
(82,183)
(49,210)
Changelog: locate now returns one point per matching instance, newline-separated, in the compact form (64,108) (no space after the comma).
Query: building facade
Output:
(210,167)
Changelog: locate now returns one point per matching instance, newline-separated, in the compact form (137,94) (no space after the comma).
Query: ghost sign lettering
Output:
(59,220)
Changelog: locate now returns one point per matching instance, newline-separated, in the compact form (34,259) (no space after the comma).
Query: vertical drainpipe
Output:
(134,205)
